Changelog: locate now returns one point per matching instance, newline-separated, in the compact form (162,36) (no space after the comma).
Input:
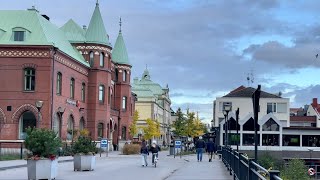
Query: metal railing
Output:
(21,142)
(244,168)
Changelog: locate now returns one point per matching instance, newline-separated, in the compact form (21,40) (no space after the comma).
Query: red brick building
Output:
(62,78)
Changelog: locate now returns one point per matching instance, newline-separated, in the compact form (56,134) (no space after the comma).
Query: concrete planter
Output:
(84,162)
(42,169)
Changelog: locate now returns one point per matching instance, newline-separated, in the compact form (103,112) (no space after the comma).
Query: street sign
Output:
(177,144)
(104,143)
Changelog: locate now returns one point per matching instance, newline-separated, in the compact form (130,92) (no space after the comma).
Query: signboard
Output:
(104,143)
(177,144)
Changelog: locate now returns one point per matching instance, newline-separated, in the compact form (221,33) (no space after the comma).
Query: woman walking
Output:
(144,153)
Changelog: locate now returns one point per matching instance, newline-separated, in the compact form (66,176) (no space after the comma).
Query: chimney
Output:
(46,17)
(315,102)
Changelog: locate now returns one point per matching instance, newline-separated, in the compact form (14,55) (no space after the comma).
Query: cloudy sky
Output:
(205,48)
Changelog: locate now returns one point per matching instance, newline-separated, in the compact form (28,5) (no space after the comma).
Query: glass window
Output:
(282,107)
(72,84)
(70,128)
(91,58)
(29,79)
(102,59)
(270,140)
(270,125)
(249,125)
(27,120)
(100,131)
(124,102)
(232,124)
(248,140)
(124,76)
(19,35)
(101,93)
(124,133)
(117,75)
(59,83)
(311,140)
(233,138)
(291,140)
(81,124)
(109,95)
(83,92)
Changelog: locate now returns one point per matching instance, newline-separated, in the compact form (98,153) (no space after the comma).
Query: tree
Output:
(133,129)
(179,124)
(190,125)
(151,130)
(296,169)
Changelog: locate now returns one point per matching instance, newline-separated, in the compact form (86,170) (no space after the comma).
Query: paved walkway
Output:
(119,167)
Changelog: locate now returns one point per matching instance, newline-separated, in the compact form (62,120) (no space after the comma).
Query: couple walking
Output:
(209,147)
(145,151)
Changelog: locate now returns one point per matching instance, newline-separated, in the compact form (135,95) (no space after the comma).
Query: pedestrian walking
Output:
(200,145)
(211,149)
(144,153)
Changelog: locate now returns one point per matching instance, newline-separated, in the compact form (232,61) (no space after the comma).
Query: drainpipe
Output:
(52,83)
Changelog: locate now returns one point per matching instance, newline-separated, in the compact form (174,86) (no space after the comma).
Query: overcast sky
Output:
(205,48)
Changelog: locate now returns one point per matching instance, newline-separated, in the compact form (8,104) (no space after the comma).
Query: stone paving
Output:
(122,167)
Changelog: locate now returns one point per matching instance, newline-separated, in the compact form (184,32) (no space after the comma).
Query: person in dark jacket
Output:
(211,149)
(144,153)
(154,150)
(200,145)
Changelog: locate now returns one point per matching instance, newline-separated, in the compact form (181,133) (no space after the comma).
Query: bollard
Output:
(274,173)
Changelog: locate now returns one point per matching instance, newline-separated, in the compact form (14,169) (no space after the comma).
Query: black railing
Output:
(20,142)
(244,168)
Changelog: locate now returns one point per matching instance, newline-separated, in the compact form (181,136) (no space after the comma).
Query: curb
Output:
(25,165)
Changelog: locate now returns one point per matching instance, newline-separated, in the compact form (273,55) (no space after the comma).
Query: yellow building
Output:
(154,103)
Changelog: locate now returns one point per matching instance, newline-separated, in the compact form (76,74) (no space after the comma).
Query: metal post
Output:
(237,121)
(255,100)
(21,150)
(38,118)
(274,173)
(0,151)
(225,128)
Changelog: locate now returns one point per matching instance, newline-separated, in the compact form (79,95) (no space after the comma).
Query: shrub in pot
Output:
(43,145)
(84,150)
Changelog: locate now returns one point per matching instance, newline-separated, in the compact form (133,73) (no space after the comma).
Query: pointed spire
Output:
(119,53)
(96,32)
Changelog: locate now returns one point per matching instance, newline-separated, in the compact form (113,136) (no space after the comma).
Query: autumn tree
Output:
(179,124)
(133,129)
(151,130)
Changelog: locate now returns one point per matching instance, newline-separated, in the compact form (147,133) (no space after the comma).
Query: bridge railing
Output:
(244,168)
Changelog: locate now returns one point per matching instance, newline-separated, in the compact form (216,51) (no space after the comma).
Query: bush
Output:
(131,149)
(43,143)
(268,161)
(84,146)
(296,169)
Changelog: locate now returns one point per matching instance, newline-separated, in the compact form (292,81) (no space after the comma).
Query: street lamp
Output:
(226,109)
(237,121)
(39,105)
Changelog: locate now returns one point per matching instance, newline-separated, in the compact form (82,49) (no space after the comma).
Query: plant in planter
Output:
(84,150)
(43,145)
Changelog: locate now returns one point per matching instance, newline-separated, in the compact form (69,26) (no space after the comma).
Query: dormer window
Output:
(19,35)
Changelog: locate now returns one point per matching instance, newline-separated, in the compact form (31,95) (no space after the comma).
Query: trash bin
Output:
(171,150)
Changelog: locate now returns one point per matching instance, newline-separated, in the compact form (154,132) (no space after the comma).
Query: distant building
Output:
(62,78)
(287,135)
(153,102)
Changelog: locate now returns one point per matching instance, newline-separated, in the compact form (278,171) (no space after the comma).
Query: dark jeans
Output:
(199,154)
(210,154)
(154,154)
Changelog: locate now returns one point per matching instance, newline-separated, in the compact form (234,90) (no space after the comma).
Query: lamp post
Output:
(226,110)
(39,105)
(256,109)
(237,121)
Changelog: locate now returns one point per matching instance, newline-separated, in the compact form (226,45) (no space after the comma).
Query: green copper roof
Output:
(38,31)
(73,32)
(119,52)
(96,32)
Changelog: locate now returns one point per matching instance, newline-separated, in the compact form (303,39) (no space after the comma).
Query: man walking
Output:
(200,145)
(211,149)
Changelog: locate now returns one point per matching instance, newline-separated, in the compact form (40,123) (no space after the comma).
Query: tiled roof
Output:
(73,32)
(247,92)
(119,52)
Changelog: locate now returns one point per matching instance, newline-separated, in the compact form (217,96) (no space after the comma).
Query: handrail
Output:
(260,167)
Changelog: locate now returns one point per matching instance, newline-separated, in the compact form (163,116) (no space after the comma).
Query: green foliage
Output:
(152,129)
(268,161)
(179,124)
(131,149)
(296,169)
(133,127)
(43,143)
(84,145)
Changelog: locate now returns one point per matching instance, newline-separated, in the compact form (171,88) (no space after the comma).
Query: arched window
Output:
(83,92)
(27,119)
(57,124)
(124,76)
(91,58)
(117,75)
(72,84)
(124,102)
(100,131)
(29,79)
(59,83)
(70,128)
(101,93)
(102,59)
(81,124)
